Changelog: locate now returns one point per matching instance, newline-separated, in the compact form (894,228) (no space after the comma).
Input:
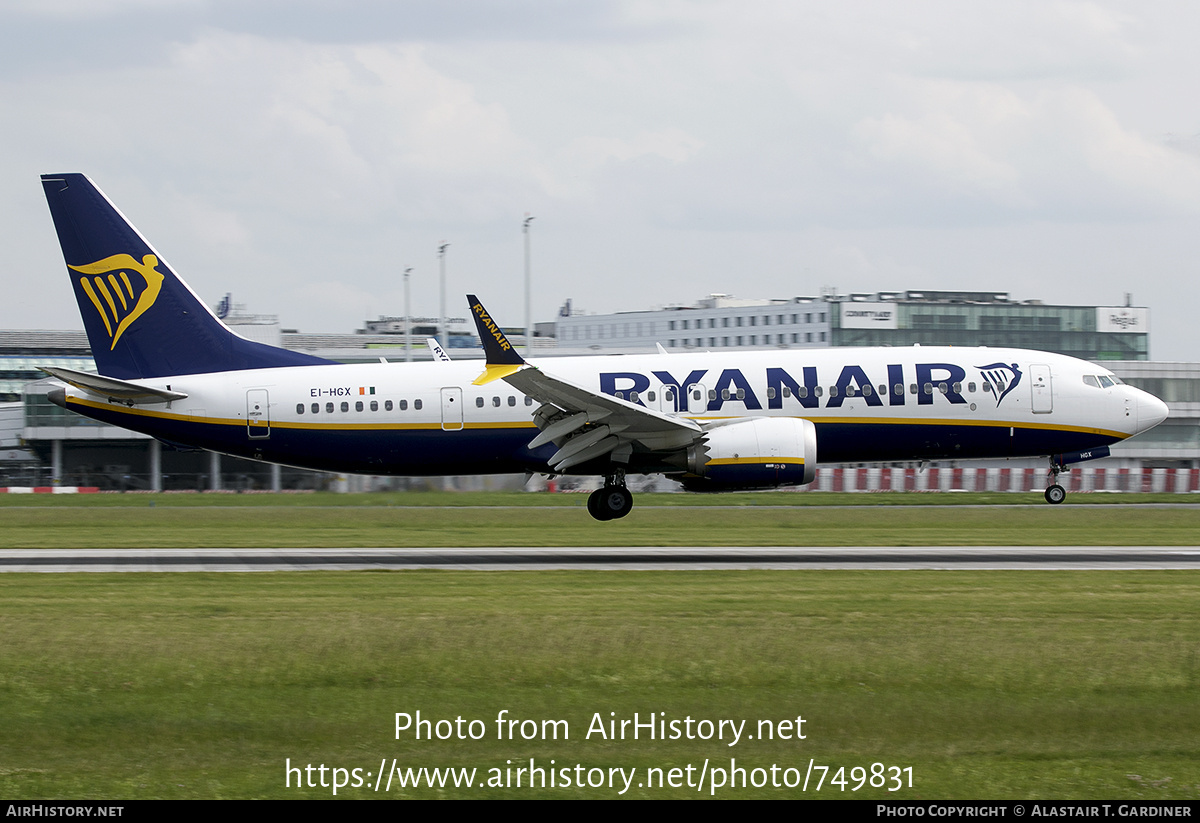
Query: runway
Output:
(599,557)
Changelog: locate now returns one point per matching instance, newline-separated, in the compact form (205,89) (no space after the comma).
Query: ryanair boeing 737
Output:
(168,367)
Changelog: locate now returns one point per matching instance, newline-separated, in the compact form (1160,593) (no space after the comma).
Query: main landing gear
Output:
(1055,494)
(613,501)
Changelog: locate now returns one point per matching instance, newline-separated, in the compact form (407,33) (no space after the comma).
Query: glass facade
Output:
(1069,330)
(16,372)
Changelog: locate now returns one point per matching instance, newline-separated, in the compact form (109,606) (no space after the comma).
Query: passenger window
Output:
(387,405)
(417,404)
(512,400)
(943,388)
(345,407)
(724,394)
(833,391)
(928,388)
(802,392)
(898,389)
(329,408)
(787,391)
(299,408)
(374,405)
(771,392)
(971,388)
(528,401)
(912,388)
(741,394)
(650,396)
(479,402)
(403,405)
(633,397)
(358,406)
(818,391)
(316,407)
(496,401)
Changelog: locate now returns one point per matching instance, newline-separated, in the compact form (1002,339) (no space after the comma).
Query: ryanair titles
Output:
(704,390)
(487,323)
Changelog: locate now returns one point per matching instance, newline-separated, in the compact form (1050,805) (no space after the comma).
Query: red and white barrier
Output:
(1178,481)
(49,489)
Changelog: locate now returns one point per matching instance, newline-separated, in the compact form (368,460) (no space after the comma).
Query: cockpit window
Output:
(1105,382)
(1090,380)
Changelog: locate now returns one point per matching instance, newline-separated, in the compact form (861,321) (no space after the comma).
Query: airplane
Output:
(714,421)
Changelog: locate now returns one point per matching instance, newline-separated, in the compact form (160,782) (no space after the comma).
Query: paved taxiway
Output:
(677,557)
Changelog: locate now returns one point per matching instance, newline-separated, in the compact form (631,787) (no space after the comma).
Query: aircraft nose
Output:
(1151,411)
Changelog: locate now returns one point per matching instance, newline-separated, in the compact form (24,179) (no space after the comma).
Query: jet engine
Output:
(760,453)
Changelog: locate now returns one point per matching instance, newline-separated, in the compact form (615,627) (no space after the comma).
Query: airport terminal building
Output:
(927,318)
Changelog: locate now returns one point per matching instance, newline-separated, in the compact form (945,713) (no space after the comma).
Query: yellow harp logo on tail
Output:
(108,285)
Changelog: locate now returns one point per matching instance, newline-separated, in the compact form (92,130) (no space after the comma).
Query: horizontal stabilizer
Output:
(112,387)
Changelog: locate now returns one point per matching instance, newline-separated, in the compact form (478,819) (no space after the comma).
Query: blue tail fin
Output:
(141,319)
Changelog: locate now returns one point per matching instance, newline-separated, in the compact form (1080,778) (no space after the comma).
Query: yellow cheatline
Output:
(741,461)
(225,421)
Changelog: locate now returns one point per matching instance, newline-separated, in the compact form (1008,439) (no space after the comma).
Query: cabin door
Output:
(452,411)
(1043,396)
(258,414)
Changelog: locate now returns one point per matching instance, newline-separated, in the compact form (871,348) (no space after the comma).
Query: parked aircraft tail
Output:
(141,319)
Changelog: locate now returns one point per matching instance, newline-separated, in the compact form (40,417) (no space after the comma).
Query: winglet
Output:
(436,350)
(502,357)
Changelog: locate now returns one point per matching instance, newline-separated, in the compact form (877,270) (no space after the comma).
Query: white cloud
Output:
(663,146)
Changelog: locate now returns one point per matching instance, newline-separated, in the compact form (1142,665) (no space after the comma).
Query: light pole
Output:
(445,334)
(528,318)
(407,319)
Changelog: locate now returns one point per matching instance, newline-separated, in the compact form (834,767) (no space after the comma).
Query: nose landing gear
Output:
(1055,493)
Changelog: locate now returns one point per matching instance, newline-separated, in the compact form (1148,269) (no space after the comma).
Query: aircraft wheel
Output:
(1056,494)
(617,501)
(610,503)
(594,505)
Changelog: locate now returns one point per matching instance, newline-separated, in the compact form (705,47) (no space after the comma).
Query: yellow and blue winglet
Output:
(501,355)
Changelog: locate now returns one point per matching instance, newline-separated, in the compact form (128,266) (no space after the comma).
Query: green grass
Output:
(300,521)
(426,499)
(988,684)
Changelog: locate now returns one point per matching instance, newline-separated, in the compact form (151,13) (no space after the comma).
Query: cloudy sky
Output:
(302,153)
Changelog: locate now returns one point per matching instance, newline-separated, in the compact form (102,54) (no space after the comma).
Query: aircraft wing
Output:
(584,424)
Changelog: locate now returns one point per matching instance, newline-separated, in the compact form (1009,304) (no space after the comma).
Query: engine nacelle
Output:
(760,453)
